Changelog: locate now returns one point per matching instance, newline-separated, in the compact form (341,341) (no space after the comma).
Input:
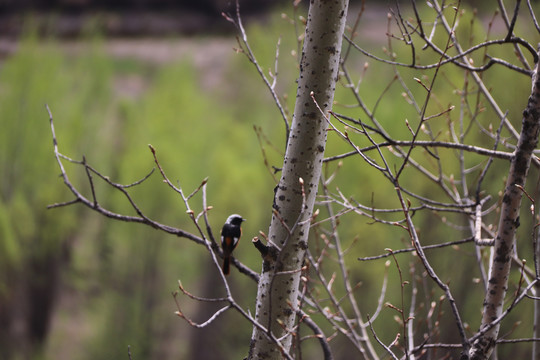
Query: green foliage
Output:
(35,75)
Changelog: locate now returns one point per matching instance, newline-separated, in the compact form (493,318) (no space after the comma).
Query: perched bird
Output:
(230,234)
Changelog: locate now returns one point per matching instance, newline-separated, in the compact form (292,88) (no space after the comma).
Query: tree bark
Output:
(278,286)
(509,221)
(536,327)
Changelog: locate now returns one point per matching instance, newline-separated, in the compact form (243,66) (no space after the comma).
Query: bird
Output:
(230,235)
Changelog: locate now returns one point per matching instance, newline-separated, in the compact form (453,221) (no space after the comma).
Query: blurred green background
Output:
(75,285)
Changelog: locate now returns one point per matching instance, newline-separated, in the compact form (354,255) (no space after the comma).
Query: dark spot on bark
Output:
(331,50)
(503,249)
(287,312)
(521,165)
(266,266)
(502,254)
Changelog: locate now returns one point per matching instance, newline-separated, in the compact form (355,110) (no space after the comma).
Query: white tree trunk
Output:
(278,291)
(508,223)
(536,326)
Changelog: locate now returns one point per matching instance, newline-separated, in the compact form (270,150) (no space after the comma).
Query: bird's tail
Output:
(226,261)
